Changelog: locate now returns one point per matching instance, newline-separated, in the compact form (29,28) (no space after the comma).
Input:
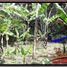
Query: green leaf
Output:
(61,12)
(29,49)
(22,36)
(9,33)
(51,19)
(3,14)
(16,52)
(43,8)
(22,51)
(21,11)
(34,6)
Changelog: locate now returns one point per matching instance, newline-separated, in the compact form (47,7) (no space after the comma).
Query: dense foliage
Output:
(31,22)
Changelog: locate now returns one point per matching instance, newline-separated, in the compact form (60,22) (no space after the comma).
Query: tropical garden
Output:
(33,33)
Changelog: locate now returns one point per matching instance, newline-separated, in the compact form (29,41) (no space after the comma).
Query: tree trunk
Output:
(2,41)
(7,38)
(46,33)
(64,48)
(35,39)
(17,33)
(24,60)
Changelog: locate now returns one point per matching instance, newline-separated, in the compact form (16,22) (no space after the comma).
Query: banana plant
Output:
(61,12)
(21,13)
(17,12)
(25,52)
(46,19)
(4,29)
(15,23)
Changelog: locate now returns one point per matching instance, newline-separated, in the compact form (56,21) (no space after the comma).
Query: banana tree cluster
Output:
(15,20)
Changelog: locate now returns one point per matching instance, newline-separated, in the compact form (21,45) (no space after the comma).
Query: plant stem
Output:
(35,39)
(64,48)
(24,60)
(17,33)
(7,38)
(46,33)
(2,41)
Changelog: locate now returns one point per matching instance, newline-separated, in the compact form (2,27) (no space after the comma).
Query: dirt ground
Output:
(42,55)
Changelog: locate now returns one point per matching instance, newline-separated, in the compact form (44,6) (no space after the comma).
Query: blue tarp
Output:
(58,39)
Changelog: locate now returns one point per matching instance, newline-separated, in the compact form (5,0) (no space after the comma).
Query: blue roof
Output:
(58,39)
